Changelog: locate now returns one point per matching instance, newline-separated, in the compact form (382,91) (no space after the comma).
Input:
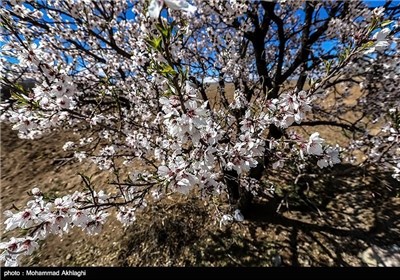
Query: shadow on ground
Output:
(357,210)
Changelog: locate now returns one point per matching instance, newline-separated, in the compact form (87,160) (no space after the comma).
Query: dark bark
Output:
(232,182)
(239,197)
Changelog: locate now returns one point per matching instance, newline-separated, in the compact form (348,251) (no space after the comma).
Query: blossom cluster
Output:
(43,217)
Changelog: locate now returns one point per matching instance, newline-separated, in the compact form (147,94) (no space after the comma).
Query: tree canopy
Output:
(203,96)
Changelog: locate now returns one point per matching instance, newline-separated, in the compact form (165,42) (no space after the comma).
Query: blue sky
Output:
(327,45)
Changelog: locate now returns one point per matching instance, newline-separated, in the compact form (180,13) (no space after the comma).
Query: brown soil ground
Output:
(358,209)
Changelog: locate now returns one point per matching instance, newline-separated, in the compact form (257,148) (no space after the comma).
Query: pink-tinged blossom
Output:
(247,124)
(253,143)
(96,222)
(239,100)
(12,245)
(126,216)
(289,102)
(194,116)
(330,157)
(11,252)
(240,160)
(25,124)
(29,245)
(169,171)
(36,191)
(60,224)
(286,121)
(175,173)
(290,108)
(79,217)
(206,180)
(211,135)
(314,145)
(24,219)
(64,102)
(15,247)
(64,204)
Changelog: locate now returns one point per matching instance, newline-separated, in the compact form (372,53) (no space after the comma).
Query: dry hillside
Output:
(359,213)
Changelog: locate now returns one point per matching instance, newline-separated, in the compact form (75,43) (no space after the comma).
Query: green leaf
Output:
(168,70)
(168,93)
(165,30)
(386,23)
(373,25)
(155,43)
(20,98)
(328,65)
(367,45)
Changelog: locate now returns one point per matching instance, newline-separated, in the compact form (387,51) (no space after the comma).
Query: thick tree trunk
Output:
(239,197)
(232,183)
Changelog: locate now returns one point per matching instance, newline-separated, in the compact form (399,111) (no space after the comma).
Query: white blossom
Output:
(156,6)
(314,145)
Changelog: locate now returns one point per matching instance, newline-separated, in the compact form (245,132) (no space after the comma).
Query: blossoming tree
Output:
(132,79)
